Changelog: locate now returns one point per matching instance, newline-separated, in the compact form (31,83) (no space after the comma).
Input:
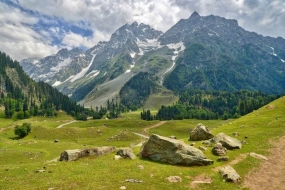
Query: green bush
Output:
(22,131)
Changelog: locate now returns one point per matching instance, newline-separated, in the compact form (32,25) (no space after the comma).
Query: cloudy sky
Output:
(37,28)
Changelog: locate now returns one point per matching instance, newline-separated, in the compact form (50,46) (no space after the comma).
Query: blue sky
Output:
(38,28)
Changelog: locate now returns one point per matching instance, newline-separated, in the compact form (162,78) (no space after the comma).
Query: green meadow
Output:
(20,158)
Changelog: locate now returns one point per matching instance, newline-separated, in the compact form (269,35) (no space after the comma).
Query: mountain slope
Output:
(20,93)
(221,55)
(201,52)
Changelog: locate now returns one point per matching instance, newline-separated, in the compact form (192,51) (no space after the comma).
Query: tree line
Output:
(207,105)
(22,95)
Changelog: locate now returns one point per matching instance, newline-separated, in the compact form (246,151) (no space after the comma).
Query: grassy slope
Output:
(22,158)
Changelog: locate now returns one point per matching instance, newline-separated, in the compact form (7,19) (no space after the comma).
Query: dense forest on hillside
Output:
(20,94)
(136,91)
(211,105)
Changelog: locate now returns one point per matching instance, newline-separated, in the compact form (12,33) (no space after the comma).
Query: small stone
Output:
(134,180)
(141,167)
(39,171)
(55,141)
(203,148)
(123,187)
(174,179)
(229,174)
(258,156)
(192,144)
(219,150)
(223,158)
(235,134)
(117,157)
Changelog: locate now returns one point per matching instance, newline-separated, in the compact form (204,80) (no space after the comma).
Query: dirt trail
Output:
(271,173)
(60,126)
(145,130)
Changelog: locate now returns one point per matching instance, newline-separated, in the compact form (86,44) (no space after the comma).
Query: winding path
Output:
(145,130)
(60,126)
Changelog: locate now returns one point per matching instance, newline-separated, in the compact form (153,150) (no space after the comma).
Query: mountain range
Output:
(201,52)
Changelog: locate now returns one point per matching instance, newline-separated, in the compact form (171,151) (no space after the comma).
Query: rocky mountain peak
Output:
(194,15)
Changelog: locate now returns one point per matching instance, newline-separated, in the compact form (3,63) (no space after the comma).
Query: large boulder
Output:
(227,141)
(200,132)
(164,149)
(72,155)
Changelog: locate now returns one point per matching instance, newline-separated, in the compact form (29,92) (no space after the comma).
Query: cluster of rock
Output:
(173,151)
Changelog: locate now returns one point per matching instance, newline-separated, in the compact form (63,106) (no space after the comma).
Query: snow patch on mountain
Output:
(93,73)
(132,54)
(83,71)
(61,64)
(57,83)
(148,45)
(178,47)
(273,51)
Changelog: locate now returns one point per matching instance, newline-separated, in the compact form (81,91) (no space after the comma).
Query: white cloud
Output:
(103,17)
(27,49)
(18,39)
(75,40)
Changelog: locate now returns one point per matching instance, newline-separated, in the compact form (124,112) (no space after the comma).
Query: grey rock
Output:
(72,155)
(219,150)
(126,153)
(164,149)
(174,179)
(40,171)
(229,174)
(200,132)
(258,156)
(203,148)
(134,180)
(223,159)
(235,134)
(227,141)
(117,157)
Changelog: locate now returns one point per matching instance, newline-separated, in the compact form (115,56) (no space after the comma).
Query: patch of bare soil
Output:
(200,179)
(271,173)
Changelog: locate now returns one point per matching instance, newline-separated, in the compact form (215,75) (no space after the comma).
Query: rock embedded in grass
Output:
(227,141)
(230,174)
(72,155)
(164,149)
(174,179)
(219,150)
(200,132)
(126,153)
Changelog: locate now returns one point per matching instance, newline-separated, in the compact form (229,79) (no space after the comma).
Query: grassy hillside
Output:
(20,158)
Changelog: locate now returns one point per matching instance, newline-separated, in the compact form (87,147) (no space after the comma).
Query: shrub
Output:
(22,131)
